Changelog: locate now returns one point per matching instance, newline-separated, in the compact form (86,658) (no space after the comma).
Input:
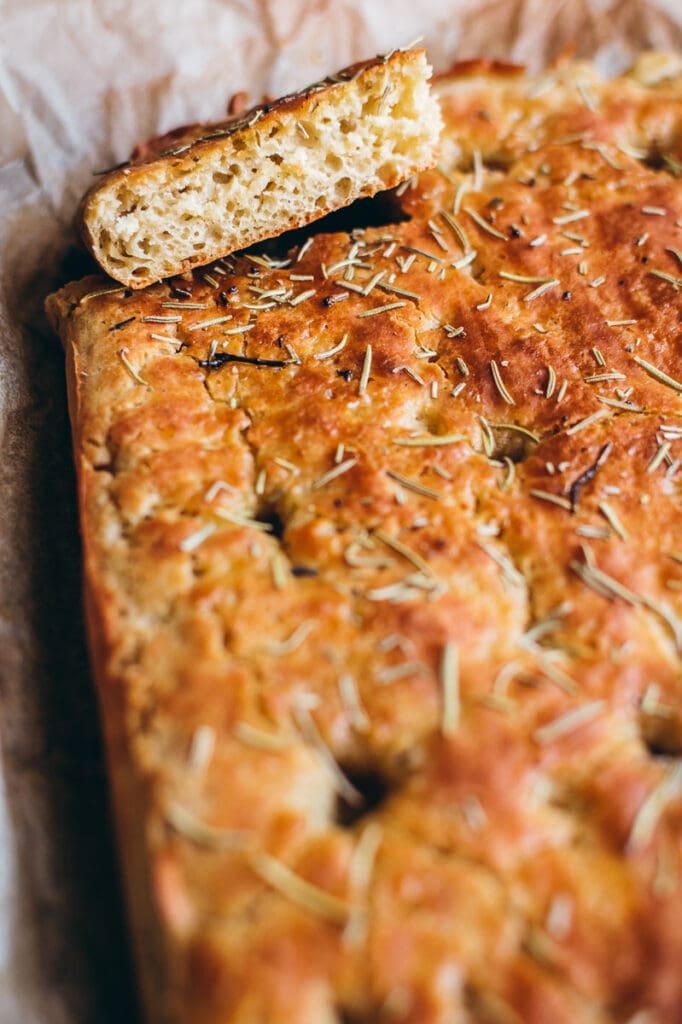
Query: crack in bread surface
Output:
(269,533)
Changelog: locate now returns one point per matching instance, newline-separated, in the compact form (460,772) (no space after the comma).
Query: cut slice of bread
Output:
(223,187)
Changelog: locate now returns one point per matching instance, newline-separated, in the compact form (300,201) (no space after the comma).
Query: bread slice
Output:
(382,562)
(222,187)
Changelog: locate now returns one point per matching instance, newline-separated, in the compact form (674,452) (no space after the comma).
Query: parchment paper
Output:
(80,83)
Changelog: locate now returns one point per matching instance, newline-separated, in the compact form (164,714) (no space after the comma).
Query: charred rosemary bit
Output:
(221,358)
(588,475)
(331,300)
(122,323)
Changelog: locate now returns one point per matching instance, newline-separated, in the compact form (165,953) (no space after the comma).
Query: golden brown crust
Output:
(457,573)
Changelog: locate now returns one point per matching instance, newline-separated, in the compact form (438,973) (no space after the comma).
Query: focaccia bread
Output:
(383,562)
(206,190)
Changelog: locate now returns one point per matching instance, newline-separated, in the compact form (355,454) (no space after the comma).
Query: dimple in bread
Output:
(217,188)
(382,550)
